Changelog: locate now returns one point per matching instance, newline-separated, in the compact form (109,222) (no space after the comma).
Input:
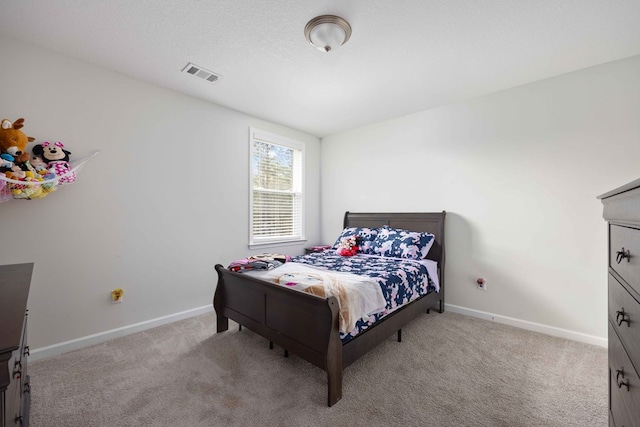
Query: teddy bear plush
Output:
(13,141)
(57,159)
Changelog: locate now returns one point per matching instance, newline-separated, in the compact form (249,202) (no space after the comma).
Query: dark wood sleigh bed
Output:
(307,325)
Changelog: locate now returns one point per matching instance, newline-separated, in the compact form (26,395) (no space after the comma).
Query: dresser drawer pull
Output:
(621,316)
(624,383)
(620,373)
(622,254)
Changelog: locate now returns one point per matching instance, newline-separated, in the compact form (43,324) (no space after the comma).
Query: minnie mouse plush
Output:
(348,246)
(57,159)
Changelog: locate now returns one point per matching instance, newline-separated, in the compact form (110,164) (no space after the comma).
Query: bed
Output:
(308,326)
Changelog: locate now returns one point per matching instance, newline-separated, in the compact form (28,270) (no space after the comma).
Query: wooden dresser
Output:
(622,211)
(14,381)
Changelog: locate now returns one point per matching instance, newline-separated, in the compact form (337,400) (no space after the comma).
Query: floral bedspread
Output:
(401,280)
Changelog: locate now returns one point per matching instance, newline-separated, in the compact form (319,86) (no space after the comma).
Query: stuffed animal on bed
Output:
(348,246)
(57,159)
(13,141)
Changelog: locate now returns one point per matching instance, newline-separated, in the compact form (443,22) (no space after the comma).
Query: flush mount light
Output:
(327,32)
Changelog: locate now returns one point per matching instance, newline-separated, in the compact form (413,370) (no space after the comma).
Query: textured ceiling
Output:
(404,56)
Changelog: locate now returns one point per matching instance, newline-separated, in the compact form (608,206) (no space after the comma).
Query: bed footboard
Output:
(303,324)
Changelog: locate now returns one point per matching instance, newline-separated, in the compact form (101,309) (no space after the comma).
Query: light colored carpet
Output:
(450,370)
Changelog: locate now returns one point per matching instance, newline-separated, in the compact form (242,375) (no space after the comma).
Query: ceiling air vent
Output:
(200,72)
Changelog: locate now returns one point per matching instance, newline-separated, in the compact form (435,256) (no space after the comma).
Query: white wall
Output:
(165,200)
(518,173)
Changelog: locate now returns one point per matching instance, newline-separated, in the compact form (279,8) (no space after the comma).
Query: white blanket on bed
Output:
(358,296)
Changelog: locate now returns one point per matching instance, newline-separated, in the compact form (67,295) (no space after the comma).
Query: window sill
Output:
(277,244)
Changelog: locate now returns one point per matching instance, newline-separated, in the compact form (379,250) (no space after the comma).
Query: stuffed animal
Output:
(6,162)
(348,246)
(47,178)
(38,164)
(13,141)
(57,159)
(16,173)
(30,189)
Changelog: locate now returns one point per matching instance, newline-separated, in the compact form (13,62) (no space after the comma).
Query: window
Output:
(276,181)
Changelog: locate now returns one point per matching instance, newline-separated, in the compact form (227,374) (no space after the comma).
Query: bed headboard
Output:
(431,222)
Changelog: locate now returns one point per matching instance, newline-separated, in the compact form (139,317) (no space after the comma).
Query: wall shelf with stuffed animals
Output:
(24,176)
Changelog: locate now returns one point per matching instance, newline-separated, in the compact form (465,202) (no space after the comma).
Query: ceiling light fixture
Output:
(327,32)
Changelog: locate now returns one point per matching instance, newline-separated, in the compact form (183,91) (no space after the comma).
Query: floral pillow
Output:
(393,242)
(365,237)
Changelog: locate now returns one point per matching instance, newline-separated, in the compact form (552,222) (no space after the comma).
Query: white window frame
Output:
(271,138)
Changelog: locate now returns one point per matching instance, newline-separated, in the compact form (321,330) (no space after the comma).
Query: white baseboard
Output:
(75,344)
(63,347)
(531,326)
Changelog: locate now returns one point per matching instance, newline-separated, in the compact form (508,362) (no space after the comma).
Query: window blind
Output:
(276,193)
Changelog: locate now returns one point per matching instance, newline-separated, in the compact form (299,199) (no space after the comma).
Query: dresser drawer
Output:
(624,254)
(624,385)
(624,315)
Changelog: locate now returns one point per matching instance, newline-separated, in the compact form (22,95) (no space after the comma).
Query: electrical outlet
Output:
(116,296)
(482,284)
